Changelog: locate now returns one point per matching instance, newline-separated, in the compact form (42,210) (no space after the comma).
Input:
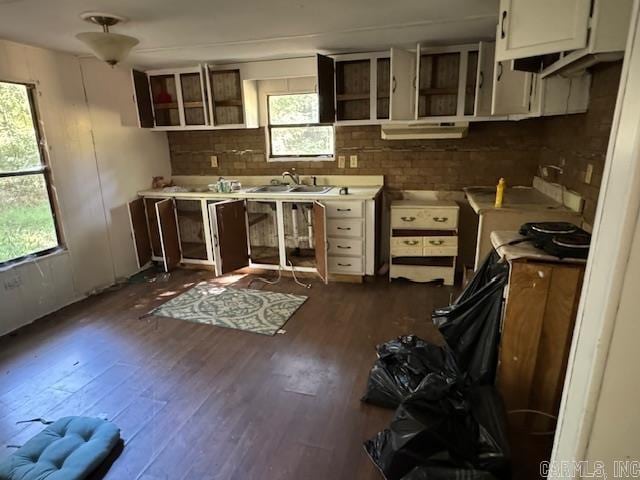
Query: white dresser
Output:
(424,240)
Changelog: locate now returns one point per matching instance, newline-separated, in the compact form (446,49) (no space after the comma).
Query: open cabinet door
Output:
(320,239)
(229,230)
(169,236)
(140,232)
(326,89)
(403,74)
(143,99)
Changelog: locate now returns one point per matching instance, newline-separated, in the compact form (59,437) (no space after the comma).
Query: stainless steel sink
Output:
(290,189)
(271,189)
(310,189)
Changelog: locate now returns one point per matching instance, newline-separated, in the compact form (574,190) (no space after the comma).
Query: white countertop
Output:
(521,199)
(355,193)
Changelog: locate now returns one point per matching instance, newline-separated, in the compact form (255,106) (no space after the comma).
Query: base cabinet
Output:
(332,237)
(424,241)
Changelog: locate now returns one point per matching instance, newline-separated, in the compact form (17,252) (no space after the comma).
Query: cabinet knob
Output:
(440,219)
(411,242)
(408,219)
(344,247)
(344,265)
(436,242)
(344,228)
(344,209)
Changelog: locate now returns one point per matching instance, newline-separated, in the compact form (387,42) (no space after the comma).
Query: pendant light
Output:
(109,47)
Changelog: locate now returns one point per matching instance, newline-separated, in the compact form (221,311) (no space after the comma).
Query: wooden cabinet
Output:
(423,240)
(178,98)
(154,226)
(204,97)
(527,28)
(362,88)
(541,305)
(454,83)
(332,237)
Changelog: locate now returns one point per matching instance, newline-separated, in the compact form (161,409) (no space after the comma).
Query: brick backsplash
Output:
(580,140)
(512,150)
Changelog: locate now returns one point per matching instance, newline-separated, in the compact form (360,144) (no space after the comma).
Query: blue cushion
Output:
(69,449)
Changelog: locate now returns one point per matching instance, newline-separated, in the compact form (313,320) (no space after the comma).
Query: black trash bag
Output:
(444,428)
(472,330)
(405,365)
(493,452)
(445,473)
(425,424)
(490,268)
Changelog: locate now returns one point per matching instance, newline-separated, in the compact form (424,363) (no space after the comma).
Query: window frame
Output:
(300,157)
(43,169)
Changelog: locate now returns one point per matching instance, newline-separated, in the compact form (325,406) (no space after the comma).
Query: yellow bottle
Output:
(500,192)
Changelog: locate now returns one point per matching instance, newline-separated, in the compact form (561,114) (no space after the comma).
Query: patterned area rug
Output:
(240,308)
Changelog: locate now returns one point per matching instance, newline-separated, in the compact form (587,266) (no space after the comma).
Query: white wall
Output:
(91,184)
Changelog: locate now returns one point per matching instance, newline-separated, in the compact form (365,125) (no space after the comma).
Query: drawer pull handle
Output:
(344,209)
(345,265)
(344,228)
(436,242)
(440,219)
(411,242)
(408,219)
(344,247)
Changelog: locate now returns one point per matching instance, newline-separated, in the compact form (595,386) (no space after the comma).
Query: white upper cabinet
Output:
(402,85)
(511,90)
(527,28)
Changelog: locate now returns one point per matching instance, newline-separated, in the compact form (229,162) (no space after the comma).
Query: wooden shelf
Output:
(193,104)
(165,106)
(345,97)
(228,103)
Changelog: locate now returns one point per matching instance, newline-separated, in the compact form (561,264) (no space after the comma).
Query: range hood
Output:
(423,131)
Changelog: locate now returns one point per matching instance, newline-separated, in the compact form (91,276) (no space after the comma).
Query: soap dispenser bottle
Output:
(500,192)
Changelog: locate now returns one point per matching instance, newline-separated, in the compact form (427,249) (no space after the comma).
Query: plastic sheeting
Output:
(443,473)
(406,365)
(452,429)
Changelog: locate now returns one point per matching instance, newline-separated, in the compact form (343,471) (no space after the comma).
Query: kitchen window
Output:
(294,130)
(27,219)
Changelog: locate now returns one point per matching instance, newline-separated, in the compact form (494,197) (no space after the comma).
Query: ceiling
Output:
(174,33)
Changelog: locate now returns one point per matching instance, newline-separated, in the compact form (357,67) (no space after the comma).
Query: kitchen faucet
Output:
(293,175)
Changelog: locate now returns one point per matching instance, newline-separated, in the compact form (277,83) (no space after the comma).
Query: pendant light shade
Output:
(109,47)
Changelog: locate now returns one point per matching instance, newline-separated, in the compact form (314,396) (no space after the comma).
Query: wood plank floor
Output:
(202,402)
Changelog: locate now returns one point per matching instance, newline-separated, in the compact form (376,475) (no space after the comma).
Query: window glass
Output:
(294,130)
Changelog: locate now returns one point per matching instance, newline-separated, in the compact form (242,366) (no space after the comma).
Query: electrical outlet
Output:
(214,161)
(340,161)
(353,161)
(588,174)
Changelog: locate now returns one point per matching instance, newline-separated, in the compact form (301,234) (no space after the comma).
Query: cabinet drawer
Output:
(351,265)
(433,218)
(344,246)
(440,246)
(344,228)
(422,274)
(407,246)
(344,209)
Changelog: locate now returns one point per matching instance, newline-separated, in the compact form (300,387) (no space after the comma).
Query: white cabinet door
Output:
(527,28)
(484,79)
(511,90)
(403,75)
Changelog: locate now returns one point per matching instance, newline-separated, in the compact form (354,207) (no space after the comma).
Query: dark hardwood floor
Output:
(202,402)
